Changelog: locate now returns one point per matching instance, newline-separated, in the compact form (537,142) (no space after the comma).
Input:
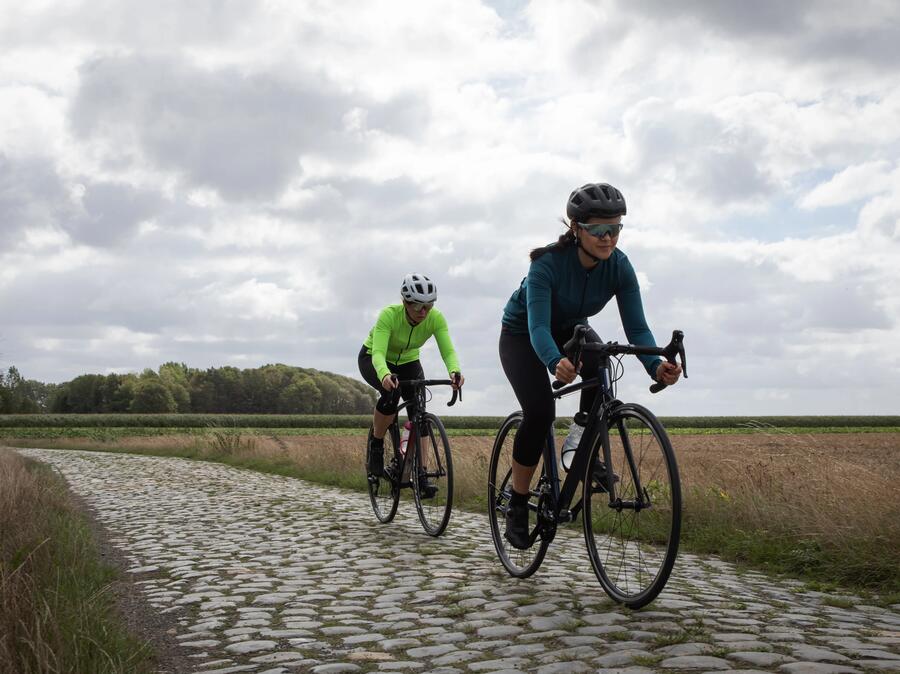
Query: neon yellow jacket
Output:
(393,340)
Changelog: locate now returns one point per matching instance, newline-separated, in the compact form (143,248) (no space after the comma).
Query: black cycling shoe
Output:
(427,489)
(517,523)
(376,458)
(390,470)
(600,476)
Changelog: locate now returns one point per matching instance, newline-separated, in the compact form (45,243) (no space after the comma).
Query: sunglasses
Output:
(419,306)
(602,230)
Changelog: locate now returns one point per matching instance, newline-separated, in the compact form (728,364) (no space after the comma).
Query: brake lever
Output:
(457,394)
(673,348)
(572,350)
(575,340)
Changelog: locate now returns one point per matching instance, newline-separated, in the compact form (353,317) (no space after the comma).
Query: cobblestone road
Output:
(272,574)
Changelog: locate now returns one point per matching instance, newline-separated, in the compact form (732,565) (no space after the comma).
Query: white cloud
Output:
(853,184)
(252,300)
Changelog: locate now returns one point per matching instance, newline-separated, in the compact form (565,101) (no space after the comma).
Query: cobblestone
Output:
(267,574)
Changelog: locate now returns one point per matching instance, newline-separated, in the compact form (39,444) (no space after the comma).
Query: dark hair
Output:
(566,239)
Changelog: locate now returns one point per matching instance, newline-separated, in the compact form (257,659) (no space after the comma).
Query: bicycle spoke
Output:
(383,492)
(518,563)
(633,542)
(433,476)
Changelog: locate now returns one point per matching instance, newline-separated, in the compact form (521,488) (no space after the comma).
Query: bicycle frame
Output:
(561,497)
(417,421)
(597,427)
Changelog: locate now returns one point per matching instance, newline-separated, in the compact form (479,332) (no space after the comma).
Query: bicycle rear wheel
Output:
(632,540)
(518,563)
(384,491)
(433,476)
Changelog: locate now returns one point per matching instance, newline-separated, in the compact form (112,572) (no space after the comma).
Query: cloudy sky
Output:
(225,182)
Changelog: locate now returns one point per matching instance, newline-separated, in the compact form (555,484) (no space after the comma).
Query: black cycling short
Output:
(388,400)
(531,381)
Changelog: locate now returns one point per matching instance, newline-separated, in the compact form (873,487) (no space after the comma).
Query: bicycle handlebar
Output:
(577,345)
(457,393)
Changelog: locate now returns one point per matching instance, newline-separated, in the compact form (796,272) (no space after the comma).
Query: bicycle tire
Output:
(633,550)
(433,464)
(384,491)
(518,563)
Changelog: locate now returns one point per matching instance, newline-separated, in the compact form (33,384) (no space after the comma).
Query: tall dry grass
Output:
(821,505)
(55,609)
(826,505)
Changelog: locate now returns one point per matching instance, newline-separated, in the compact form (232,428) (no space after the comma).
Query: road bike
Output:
(630,503)
(425,464)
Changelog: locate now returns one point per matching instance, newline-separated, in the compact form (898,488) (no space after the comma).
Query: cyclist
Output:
(391,352)
(567,281)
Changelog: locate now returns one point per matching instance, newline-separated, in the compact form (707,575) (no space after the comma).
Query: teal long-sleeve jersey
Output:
(559,293)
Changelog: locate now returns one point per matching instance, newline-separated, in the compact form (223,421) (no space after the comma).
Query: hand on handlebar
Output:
(458,380)
(565,371)
(668,373)
(390,382)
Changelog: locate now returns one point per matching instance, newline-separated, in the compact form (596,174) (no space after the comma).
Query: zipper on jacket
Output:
(411,328)
(587,276)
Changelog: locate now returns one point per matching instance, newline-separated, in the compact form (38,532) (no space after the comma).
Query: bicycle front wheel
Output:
(384,491)
(632,534)
(518,563)
(433,476)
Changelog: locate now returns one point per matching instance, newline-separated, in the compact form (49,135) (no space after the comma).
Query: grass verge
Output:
(56,608)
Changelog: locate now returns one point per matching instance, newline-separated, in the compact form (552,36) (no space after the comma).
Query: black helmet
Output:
(595,200)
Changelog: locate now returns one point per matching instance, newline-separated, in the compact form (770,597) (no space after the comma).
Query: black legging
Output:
(531,384)
(388,400)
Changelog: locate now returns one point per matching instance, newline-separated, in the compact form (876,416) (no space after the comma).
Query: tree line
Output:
(22,396)
(175,387)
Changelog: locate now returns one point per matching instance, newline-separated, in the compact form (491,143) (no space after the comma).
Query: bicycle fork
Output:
(642,502)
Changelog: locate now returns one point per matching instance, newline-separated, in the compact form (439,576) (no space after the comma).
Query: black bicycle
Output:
(423,464)
(631,496)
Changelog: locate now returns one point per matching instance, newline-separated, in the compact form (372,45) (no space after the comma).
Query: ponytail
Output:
(565,240)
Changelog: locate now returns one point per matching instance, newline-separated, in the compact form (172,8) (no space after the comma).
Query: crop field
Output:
(813,497)
(292,421)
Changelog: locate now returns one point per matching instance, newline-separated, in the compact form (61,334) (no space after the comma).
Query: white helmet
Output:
(418,288)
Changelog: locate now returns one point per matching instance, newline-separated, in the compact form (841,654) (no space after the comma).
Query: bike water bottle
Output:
(576,430)
(404,437)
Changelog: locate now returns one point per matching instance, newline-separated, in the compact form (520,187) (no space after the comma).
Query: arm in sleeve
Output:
(445,345)
(540,296)
(381,335)
(631,311)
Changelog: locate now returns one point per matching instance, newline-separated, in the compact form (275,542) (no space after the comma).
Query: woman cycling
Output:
(567,281)
(391,352)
